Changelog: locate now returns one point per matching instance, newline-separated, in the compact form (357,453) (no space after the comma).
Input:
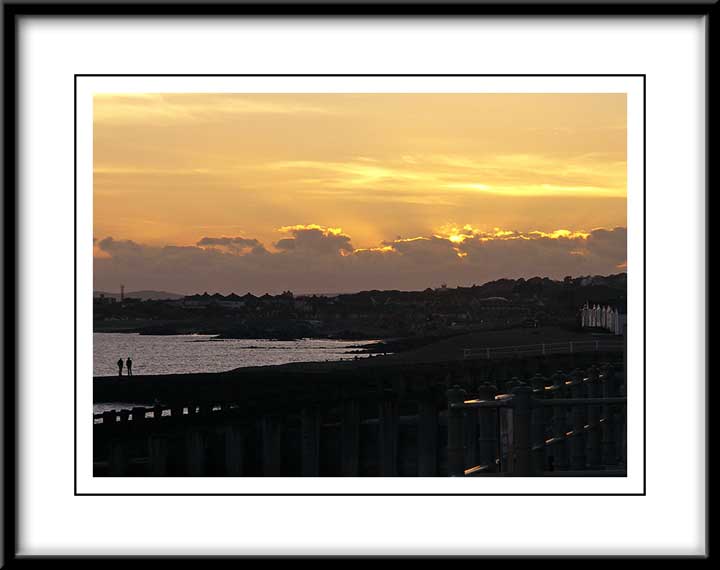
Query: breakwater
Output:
(553,415)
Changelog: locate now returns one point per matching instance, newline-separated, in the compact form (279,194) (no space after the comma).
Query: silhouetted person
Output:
(128,365)
(120,365)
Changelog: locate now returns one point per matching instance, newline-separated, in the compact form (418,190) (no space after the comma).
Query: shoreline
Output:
(429,363)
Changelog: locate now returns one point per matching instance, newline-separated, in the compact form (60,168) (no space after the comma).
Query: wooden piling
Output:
(195,453)
(271,433)
(560,426)
(234,440)
(608,442)
(487,423)
(521,446)
(593,442)
(158,455)
(579,419)
(118,459)
(456,443)
(388,434)
(350,438)
(427,435)
(310,441)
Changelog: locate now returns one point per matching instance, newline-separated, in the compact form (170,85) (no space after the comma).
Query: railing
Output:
(536,429)
(543,349)
(568,424)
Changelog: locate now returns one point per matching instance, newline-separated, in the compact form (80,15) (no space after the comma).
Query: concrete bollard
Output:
(456,443)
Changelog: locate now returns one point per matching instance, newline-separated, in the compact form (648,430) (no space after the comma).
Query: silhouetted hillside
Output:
(142,295)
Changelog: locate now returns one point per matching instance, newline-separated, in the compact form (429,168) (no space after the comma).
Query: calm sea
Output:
(178,354)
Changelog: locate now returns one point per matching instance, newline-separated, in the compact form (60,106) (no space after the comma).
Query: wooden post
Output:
(118,459)
(388,434)
(608,443)
(427,435)
(310,428)
(234,443)
(138,414)
(594,455)
(195,454)
(456,443)
(470,437)
(350,438)
(622,439)
(625,351)
(537,426)
(271,430)
(487,430)
(577,446)
(560,426)
(158,448)
(521,404)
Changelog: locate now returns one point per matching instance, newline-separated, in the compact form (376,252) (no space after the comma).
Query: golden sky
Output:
(174,169)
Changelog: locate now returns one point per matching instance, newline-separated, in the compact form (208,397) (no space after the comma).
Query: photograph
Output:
(356,280)
(358,284)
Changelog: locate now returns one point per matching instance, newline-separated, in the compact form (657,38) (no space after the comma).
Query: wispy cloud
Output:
(164,108)
(510,175)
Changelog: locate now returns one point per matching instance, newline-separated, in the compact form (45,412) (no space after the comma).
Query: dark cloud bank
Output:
(318,259)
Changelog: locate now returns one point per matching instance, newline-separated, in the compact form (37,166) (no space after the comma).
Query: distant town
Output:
(439,311)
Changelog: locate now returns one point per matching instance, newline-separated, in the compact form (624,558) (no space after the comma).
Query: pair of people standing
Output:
(128,365)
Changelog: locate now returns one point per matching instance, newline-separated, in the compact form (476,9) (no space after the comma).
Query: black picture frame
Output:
(14,10)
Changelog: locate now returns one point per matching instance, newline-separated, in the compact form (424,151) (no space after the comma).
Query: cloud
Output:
(314,239)
(236,245)
(314,258)
(520,175)
(177,108)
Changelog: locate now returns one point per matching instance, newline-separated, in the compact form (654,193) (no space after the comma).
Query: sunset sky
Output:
(343,192)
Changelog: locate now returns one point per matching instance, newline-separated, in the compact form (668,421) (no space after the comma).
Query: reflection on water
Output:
(178,354)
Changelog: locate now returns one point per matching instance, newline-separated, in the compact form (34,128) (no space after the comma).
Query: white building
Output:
(603,317)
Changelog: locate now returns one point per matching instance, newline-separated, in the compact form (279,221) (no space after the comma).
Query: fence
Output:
(543,349)
(566,425)
(571,423)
